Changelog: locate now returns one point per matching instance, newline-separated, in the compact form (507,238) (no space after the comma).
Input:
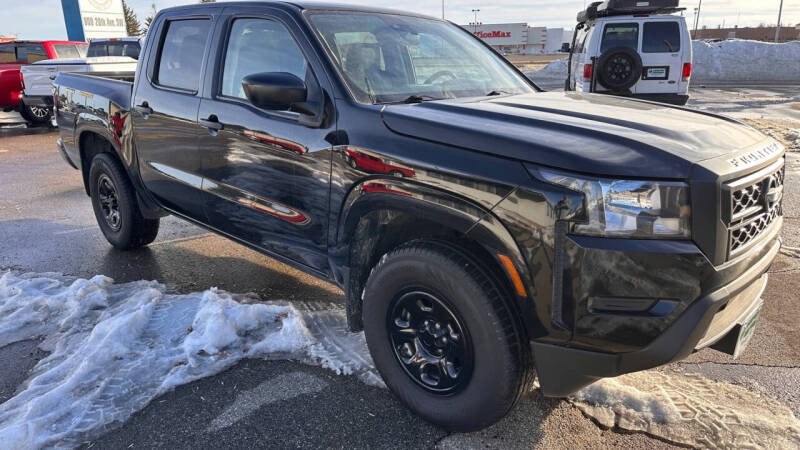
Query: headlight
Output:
(627,208)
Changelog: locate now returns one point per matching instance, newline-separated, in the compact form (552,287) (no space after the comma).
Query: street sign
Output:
(88,19)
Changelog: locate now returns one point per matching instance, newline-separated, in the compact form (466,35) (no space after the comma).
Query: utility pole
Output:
(697,18)
(442,9)
(476,11)
(778,30)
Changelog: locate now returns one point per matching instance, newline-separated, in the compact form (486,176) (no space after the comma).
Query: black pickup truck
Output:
(483,231)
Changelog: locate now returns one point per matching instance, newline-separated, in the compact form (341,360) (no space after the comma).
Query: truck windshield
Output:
(389,58)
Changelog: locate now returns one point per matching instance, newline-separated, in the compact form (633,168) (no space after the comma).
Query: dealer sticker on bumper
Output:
(748,327)
(656,72)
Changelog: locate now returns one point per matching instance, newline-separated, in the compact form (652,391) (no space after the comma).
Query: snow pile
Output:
(740,60)
(556,70)
(116,347)
(690,410)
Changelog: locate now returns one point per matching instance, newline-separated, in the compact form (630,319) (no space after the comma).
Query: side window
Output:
(257,46)
(30,53)
(620,35)
(182,52)
(7,54)
(661,37)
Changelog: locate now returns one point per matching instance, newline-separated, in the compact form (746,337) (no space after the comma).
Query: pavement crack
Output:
(765,366)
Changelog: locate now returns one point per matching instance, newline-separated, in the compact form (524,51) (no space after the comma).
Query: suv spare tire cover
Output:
(619,68)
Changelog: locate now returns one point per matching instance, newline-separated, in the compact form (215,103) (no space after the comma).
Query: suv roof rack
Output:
(610,8)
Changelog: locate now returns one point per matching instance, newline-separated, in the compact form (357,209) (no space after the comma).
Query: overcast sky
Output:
(43,19)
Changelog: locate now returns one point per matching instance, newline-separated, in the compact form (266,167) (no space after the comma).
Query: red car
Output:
(15,54)
(359,158)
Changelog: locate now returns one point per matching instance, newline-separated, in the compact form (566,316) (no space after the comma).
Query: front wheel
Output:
(441,334)
(115,205)
(35,114)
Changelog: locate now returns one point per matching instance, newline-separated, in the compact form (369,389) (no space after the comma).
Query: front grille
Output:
(753,204)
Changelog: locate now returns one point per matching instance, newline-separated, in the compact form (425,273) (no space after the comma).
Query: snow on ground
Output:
(726,61)
(690,410)
(115,347)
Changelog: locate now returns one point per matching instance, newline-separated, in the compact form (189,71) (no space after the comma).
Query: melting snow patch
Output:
(690,410)
(116,347)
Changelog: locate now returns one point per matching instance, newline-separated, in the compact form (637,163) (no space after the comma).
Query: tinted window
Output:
(67,51)
(256,46)
(620,35)
(661,37)
(30,53)
(7,54)
(182,54)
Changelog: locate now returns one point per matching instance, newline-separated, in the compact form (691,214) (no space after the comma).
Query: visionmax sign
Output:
(88,19)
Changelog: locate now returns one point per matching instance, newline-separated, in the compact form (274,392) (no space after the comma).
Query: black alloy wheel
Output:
(430,343)
(109,203)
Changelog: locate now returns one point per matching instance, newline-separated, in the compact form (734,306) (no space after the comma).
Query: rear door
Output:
(661,51)
(165,108)
(266,175)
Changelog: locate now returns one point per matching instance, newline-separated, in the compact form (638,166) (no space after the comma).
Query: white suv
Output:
(632,48)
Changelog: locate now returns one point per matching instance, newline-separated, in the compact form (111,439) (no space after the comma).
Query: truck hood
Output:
(590,133)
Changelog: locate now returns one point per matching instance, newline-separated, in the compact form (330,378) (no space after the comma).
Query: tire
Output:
(492,370)
(35,114)
(619,69)
(111,191)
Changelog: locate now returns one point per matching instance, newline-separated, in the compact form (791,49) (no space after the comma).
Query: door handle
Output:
(143,109)
(212,123)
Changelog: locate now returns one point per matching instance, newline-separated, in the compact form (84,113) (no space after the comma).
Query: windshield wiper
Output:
(414,98)
(497,92)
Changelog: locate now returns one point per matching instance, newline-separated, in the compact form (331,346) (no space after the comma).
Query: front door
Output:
(266,175)
(164,115)
(662,65)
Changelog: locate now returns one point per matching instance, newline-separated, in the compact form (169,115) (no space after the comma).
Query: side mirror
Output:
(277,91)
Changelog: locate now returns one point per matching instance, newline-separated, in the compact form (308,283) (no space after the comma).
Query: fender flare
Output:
(462,215)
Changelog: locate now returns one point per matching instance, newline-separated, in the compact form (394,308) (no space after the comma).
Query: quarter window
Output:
(257,46)
(182,54)
(661,37)
(620,35)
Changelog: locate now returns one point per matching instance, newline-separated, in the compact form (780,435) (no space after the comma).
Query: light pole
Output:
(778,30)
(442,9)
(476,11)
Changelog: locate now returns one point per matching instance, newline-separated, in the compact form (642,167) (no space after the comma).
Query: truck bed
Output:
(114,87)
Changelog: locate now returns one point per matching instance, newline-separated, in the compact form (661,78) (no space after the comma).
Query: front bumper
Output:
(705,322)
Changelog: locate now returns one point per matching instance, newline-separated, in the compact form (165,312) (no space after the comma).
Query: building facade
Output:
(765,34)
(520,38)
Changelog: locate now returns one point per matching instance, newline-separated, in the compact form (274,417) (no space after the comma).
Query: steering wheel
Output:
(440,74)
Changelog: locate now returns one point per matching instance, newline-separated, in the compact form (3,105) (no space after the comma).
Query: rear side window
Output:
(30,53)
(67,51)
(7,54)
(182,54)
(620,35)
(661,37)
(256,46)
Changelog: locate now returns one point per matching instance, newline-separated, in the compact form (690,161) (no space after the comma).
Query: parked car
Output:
(37,78)
(129,46)
(632,49)
(582,236)
(16,54)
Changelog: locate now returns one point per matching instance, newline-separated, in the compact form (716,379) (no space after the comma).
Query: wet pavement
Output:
(47,225)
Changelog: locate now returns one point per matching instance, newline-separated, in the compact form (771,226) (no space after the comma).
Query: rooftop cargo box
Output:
(625,7)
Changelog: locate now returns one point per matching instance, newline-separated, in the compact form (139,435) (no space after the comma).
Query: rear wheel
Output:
(115,206)
(442,337)
(35,114)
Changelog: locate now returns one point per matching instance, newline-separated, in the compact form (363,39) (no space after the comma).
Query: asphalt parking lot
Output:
(47,225)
